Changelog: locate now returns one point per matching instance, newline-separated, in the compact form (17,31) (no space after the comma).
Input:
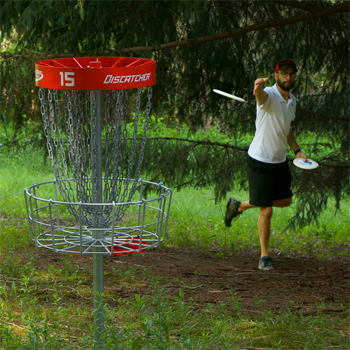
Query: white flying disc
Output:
(229,95)
(308,164)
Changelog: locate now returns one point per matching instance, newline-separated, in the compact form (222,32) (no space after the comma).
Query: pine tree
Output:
(198,46)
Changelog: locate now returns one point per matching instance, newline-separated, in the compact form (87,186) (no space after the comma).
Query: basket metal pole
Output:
(97,233)
(76,133)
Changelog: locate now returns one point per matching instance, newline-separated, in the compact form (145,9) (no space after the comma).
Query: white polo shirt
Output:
(273,119)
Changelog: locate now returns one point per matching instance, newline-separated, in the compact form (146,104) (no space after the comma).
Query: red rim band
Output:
(95,73)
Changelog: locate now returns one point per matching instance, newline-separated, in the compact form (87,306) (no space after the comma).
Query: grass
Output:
(197,221)
(51,307)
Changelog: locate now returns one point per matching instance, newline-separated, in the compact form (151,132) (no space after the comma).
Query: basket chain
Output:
(70,130)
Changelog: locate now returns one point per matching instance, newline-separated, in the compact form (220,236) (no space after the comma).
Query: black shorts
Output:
(268,182)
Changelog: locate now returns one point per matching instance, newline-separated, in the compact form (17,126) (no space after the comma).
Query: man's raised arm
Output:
(260,95)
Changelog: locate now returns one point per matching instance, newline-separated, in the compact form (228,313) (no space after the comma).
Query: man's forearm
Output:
(291,142)
(294,146)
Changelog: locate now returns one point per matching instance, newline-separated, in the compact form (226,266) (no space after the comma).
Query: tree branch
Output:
(227,145)
(303,110)
(343,7)
(199,142)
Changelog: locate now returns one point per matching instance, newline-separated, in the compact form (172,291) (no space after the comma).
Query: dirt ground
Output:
(206,278)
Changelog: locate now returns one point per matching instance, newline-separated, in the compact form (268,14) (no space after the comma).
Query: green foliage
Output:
(196,215)
(39,29)
(35,308)
(186,76)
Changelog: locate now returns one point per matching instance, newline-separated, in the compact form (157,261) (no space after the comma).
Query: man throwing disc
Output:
(268,172)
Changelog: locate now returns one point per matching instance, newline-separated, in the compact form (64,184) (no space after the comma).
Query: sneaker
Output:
(265,263)
(231,211)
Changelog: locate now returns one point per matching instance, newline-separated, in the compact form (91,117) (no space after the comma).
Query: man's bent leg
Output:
(264,224)
(246,205)
(280,203)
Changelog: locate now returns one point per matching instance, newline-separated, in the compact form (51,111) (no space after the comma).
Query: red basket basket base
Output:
(133,244)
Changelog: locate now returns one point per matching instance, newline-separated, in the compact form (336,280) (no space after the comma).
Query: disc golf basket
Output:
(96,135)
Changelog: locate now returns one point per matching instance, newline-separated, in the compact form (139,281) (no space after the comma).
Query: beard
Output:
(286,85)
